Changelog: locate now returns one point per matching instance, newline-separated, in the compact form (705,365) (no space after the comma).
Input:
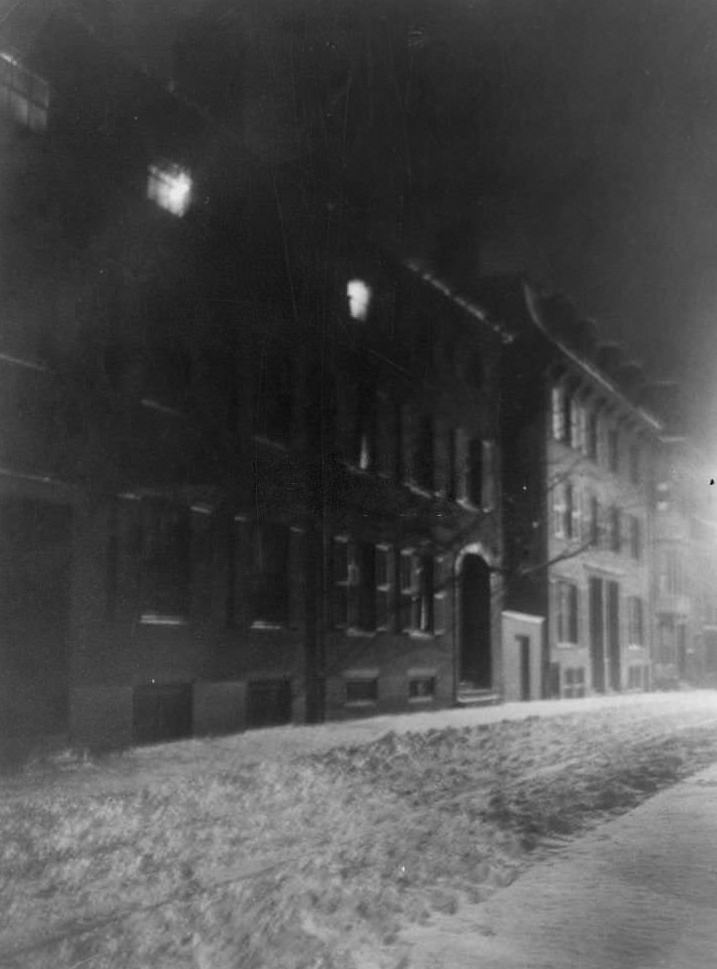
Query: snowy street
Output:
(638,892)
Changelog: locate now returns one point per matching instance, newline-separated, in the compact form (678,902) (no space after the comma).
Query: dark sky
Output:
(579,138)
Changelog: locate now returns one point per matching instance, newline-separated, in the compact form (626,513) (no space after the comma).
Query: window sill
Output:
(155,405)
(264,624)
(421,700)
(359,633)
(567,645)
(156,619)
(635,646)
(419,634)
(360,704)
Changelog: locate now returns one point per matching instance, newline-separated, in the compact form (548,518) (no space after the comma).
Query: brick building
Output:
(251,474)
(579,455)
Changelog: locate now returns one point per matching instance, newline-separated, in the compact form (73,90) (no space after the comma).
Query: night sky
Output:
(575,140)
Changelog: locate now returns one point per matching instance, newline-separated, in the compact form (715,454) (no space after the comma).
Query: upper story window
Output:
(635,464)
(269,589)
(170,186)
(165,562)
(274,396)
(567,612)
(613,450)
(635,538)
(23,95)
(359,295)
(558,407)
(591,435)
(424,457)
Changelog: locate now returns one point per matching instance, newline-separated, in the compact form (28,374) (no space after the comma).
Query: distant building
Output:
(578,466)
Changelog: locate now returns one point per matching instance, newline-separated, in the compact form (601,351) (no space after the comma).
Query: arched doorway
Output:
(476,666)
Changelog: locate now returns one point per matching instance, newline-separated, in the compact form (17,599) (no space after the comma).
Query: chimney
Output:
(609,358)
(631,379)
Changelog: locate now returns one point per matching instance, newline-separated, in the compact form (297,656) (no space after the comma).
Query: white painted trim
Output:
(523,616)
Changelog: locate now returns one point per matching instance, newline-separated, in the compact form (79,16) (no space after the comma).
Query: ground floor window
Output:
(165,577)
(567,618)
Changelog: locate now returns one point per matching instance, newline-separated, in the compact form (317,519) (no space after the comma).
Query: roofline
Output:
(583,364)
(470,307)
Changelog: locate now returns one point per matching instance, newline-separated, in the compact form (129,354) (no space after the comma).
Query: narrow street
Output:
(638,892)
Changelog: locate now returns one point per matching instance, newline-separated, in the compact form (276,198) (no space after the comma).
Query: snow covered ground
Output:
(315,847)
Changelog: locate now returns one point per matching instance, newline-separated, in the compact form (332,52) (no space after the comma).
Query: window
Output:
(671,578)
(615,537)
(635,621)
(23,95)
(475,472)
(613,450)
(567,626)
(570,511)
(269,587)
(424,466)
(635,464)
(364,443)
(165,562)
(422,688)
(363,588)
(558,413)
(578,425)
(452,458)
(359,295)
(635,538)
(170,187)
(574,682)
(591,431)
(273,401)
(417,581)
(595,522)
(363,690)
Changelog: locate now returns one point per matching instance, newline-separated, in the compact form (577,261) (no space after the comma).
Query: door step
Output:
(473,697)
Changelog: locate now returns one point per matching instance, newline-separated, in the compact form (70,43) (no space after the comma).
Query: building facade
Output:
(252,469)
(579,457)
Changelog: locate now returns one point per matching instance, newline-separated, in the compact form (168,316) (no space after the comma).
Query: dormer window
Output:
(23,95)
(170,186)
(359,296)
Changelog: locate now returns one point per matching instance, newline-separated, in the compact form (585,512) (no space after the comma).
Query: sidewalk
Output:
(639,892)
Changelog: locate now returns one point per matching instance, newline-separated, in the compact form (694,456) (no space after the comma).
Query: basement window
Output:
(362,691)
(422,688)
(170,186)
(574,682)
(23,95)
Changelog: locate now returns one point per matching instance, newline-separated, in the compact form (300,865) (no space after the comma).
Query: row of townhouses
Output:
(256,469)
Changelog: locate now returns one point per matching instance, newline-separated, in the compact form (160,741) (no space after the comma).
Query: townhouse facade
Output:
(251,477)
(579,456)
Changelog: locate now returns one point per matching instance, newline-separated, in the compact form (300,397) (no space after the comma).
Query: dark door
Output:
(613,633)
(524,647)
(597,635)
(476,662)
(35,563)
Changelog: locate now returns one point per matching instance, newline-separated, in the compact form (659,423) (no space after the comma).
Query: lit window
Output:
(23,95)
(359,296)
(170,187)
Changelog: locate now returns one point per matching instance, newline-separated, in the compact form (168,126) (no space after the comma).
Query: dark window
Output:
(273,403)
(635,538)
(165,560)
(569,511)
(615,538)
(420,687)
(452,458)
(636,677)
(268,703)
(269,590)
(362,690)
(595,515)
(567,626)
(635,464)
(636,621)
(475,472)
(592,435)
(613,450)
(366,612)
(424,457)
(474,370)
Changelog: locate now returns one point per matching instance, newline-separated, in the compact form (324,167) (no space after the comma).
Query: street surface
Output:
(639,892)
